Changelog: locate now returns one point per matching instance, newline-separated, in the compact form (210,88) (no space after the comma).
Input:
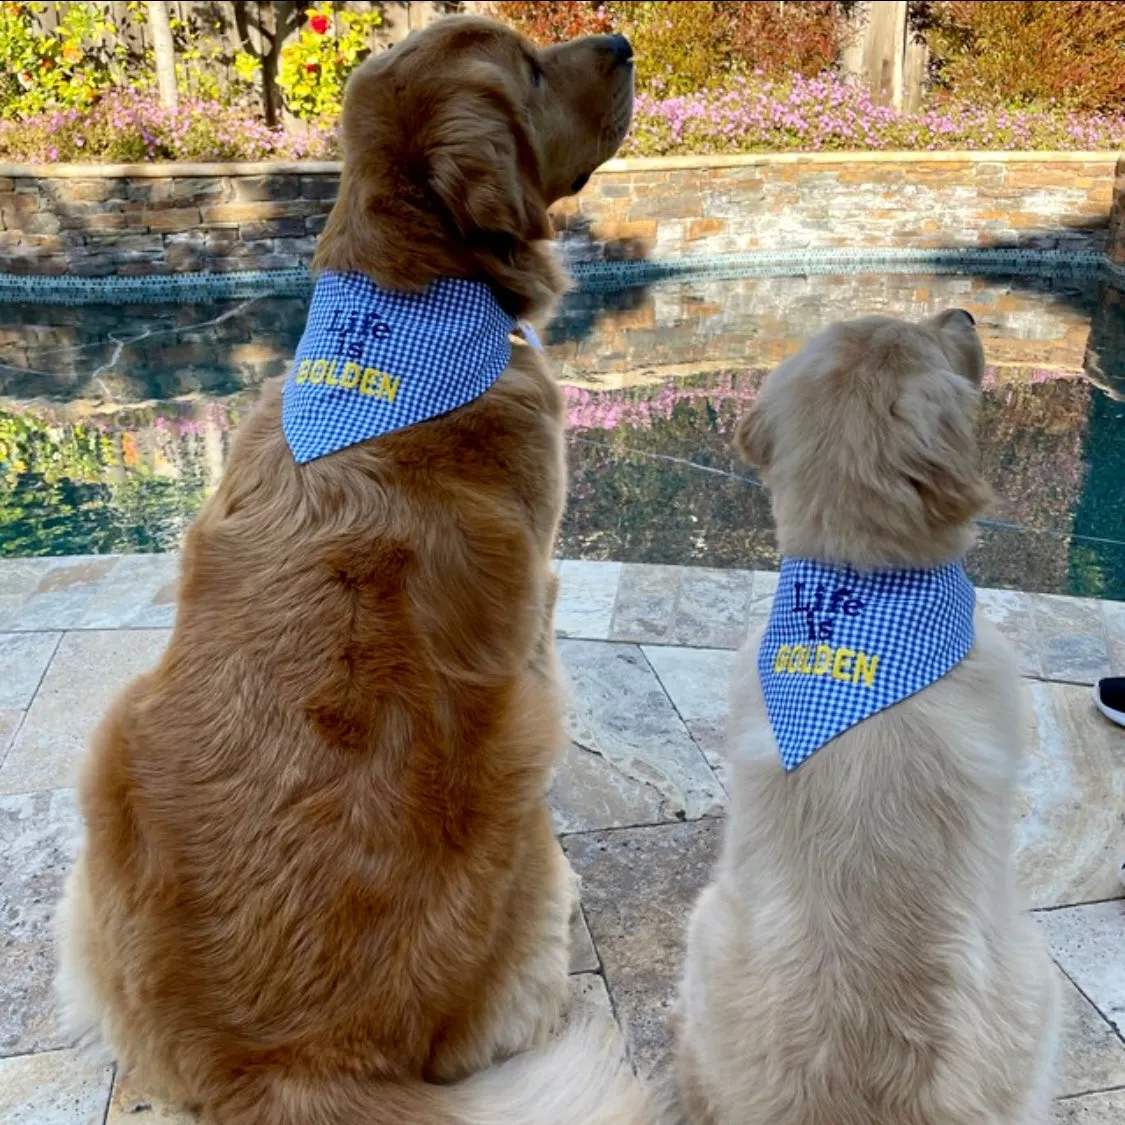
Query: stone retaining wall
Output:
(1116,246)
(135,220)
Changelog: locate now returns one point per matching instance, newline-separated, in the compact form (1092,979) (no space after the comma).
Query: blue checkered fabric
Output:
(372,361)
(842,645)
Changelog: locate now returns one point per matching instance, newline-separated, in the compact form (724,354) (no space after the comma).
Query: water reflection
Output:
(115,422)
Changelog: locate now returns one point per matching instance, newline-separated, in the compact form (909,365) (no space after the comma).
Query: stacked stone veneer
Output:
(128,220)
(1116,245)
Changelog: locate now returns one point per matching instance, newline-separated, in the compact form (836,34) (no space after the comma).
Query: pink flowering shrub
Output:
(812,114)
(127,125)
(750,114)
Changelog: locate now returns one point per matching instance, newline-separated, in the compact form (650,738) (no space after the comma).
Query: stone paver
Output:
(691,606)
(39,835)
(697,681)
(1106,1108)
(1011,612)
(140,592)
(713,608)
(24,658)
(1072,806)
(65,590)
(9,725)
(59,1088)
(765,586)
(583,955)
(1092,1055)
(1089,943)
(589,792)
(646,603)
(587,595)
(130,1106)
(588,997)
(638,887)
(648,653)
(1115,628)
(620,712)
(88,592)
(1073,645)
(87,672)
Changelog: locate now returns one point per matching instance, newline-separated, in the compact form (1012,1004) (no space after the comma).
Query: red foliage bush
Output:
(803,36)
(552,21)
(1031,51)
(687,45)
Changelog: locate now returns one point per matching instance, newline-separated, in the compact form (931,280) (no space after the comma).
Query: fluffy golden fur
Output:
(319,883)
(860,957)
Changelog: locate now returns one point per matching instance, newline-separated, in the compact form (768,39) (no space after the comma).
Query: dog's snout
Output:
(620,48)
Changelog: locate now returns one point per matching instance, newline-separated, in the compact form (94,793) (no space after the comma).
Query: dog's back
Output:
(861,958)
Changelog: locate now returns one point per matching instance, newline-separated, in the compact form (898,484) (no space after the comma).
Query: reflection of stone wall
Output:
(98,220)
(1105,354)
(138,353)
(697,325)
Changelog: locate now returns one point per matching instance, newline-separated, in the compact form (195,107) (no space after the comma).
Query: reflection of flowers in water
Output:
(1026,376)
(638,408)
(169,440)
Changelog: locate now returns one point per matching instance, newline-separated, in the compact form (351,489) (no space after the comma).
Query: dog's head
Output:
(457,141)
(865,439)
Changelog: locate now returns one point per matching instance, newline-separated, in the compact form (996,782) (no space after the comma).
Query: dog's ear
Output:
(957,334)
(482,167)
(939,448)
(751,437)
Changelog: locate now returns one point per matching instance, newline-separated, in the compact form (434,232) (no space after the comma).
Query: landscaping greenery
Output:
(713,77)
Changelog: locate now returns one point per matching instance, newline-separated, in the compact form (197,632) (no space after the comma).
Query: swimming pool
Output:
(115,420)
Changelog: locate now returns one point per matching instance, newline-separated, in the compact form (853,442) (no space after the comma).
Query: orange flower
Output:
(130,454)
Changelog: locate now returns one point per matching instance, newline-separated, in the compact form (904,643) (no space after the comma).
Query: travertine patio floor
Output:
(638,800)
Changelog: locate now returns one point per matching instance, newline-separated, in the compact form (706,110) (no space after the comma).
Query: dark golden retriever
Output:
(319,883)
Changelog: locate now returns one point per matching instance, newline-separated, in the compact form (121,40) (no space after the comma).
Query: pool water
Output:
(115,421)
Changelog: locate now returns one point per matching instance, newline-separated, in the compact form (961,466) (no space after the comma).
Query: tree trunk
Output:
(877,51)
(164,50)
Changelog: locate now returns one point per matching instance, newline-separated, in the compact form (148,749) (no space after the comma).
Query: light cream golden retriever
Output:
(861,957)
(319,883)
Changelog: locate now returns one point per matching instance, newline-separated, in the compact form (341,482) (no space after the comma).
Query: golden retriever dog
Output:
(861,957)
(319,882)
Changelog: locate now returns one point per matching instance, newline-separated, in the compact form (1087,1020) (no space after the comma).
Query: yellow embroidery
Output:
(865,666)
(369,385)
(388,387)
(367,381)
(844,664)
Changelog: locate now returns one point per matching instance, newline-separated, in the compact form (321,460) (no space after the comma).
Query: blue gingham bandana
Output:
(372,360)
(842,644)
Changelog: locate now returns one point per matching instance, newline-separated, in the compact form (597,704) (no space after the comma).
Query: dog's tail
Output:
(582,1078)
